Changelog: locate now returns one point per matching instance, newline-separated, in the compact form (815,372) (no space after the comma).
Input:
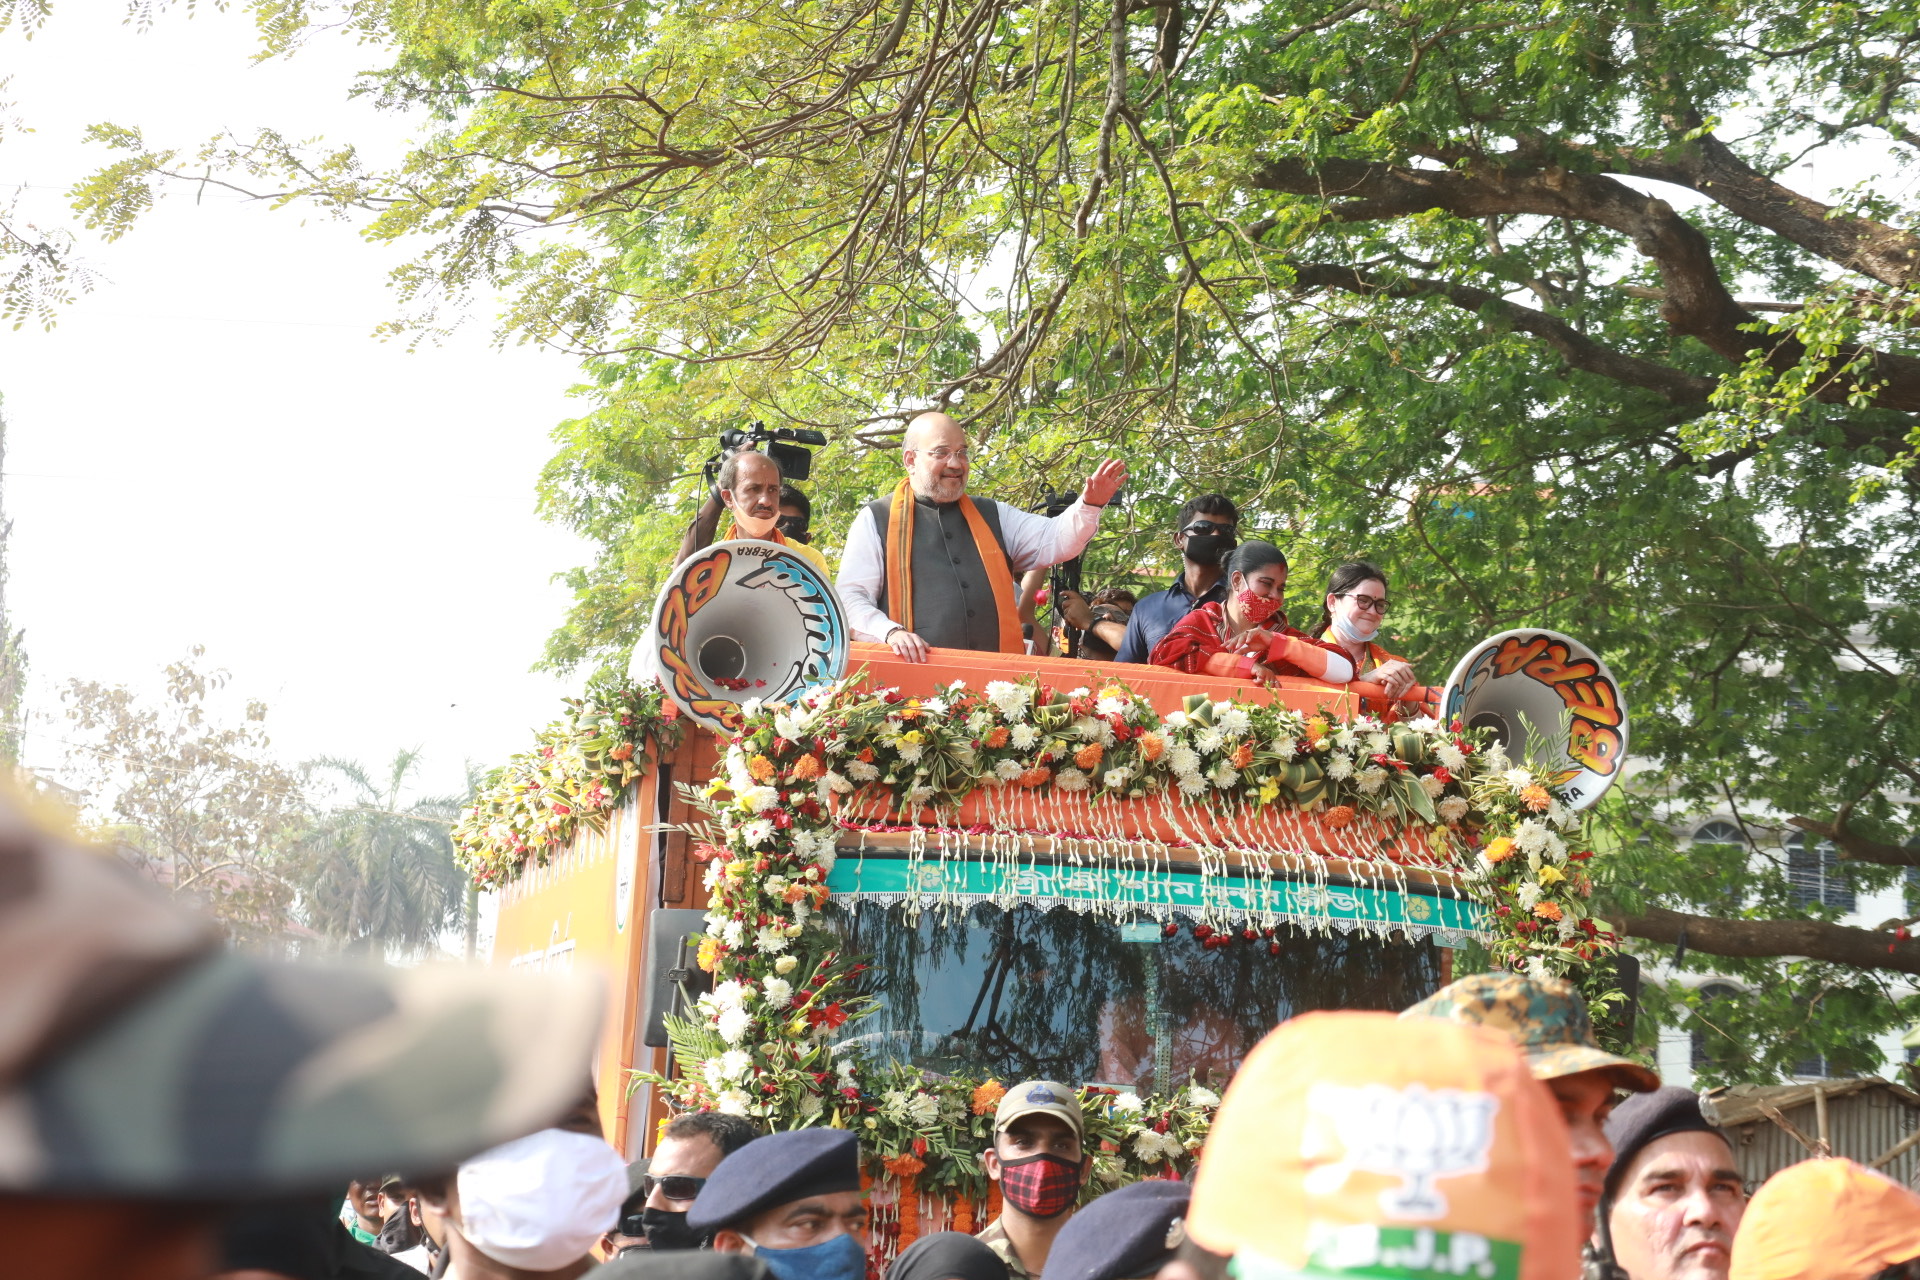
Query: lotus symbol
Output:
(1414,1133)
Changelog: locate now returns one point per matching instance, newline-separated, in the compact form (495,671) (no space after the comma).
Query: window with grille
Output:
(1815,875)
(1711,1045)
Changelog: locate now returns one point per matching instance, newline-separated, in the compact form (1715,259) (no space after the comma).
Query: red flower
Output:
(1442,774)
(830,1016)
(1169,929)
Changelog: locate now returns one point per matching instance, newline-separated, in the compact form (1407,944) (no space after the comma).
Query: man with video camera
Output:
(929,565)
(750,486)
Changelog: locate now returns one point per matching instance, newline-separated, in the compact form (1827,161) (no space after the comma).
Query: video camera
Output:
(785,445)
(1065,575)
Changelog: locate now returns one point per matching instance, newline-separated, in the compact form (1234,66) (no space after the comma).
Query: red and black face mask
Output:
(1042,1186)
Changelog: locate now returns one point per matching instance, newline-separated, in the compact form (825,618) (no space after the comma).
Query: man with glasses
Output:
(929,565)
(691,1147)
(1205,533)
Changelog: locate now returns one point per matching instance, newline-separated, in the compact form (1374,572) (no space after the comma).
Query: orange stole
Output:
(899,557)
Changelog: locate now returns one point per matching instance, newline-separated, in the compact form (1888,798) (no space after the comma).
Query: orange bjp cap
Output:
(1825,1220)
(1363,1146)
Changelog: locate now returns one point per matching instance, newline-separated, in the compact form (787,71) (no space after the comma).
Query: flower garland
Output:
(581,762)
(760,1043)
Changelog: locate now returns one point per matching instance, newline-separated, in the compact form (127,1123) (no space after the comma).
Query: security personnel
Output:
(1124,1235)
(793,1200)
(1039,1158)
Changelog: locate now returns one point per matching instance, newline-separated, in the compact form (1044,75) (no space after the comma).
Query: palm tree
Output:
(376,877)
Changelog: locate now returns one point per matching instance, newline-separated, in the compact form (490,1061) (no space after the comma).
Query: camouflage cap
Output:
(139,1057)
(1545,1015)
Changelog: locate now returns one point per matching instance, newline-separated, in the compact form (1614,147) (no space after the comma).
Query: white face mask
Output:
(541,1202)
(1353,634)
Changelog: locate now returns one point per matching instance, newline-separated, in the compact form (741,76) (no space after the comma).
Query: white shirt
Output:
(1033,542)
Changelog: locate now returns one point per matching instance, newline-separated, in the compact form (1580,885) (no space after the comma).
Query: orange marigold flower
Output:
(1034,776)
(1548,910)
(905,1166)
(866,755)
(1535,797)
(794,892)
(1088,757)
(1341,815)
(998,738)
(1242,755)
(622,752)
(1316,730)
(1152,746)
(761,768)
(987,1097)
(807,768)
(1500,850)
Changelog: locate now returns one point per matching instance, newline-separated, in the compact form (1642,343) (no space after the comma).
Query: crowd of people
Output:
(930,565)
(173,1110)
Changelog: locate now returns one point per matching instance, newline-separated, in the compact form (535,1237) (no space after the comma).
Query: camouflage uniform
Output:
(1545,1016)
(139,1056)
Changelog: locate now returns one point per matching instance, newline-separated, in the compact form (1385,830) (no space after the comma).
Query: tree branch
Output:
(1762,939)
(1857,848)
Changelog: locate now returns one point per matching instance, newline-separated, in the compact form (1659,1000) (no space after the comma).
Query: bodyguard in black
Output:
(1205,533)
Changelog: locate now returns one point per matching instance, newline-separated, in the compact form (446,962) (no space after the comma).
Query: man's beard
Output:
(946,489)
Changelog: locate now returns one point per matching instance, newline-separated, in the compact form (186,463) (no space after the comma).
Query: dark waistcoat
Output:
(952,596)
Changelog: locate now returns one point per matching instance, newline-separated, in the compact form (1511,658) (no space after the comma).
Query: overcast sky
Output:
(212,449)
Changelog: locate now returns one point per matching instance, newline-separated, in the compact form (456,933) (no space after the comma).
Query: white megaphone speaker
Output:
(743,620)
(1529,680)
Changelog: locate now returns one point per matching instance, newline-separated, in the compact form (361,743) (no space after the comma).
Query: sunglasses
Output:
(1207,526)
(675,1186)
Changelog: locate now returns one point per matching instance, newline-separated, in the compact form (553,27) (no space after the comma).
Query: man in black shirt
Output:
(1205,533)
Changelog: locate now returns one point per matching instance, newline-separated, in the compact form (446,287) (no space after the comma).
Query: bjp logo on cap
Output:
(1413,1133)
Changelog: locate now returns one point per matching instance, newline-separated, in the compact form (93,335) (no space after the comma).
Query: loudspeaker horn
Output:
(744,620)
(1520,678)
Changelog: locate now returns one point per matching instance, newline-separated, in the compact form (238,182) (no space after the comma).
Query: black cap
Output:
(775,1170)
(1125,1233)
(1644,1118)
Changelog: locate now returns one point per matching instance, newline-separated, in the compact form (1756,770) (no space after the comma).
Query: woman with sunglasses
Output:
(1247,634)
(1355,608)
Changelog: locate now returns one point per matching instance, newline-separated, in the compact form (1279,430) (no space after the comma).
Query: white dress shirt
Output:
(1033,542)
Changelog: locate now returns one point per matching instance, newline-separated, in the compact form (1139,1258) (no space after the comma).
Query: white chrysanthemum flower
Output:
(792,724)
(1495,760)
(712,877)
(861,771)
(1424,724)
(1191,784)
(923,1110)
(1176,720)
(801,910)
(769,941)
(1371,779)
(1024,736)
(1555,849)
(1113,706)
(1208,740)
(1432,786)
(979,722)
(1128,1102)
(1366,723)
(825,859)
(711,1073)
(753,707)
(836,746)
(910,752)
(758,799)
(1008,770)
(786,964)
(1453,808)
(734,934)
(1531,835)
(730,994)
(1529,894)
(1518,779)
(1183,760)
(733,1102)
(1285,748)
(835,782)
(1008,698)
(1537,968)
(919,793)
(1225,775)
(1558,815)
(1451,756)
(1070,779)
(1088,729)
(735,1063)
(935,706)
(1114,779)
(811,1105)
(759,831)
(1146,1147)
(778,992)
(843,1068)
(1339,767)
(1378,743)
(733,1024)
(893,1105)
(1235,722)
(1565,927)
(1198,1096)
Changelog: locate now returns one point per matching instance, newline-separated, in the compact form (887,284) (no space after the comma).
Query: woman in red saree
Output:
(1247,635)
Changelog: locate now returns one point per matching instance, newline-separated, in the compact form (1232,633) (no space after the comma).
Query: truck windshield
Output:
(1071,996)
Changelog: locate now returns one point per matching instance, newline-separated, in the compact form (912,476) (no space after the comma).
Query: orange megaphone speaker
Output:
(744,620)
(1521,680)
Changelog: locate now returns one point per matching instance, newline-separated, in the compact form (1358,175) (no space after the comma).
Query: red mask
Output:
(1256,609)
(1042,1186)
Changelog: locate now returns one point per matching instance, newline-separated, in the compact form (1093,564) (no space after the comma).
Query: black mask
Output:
(1208,548)
(666,1230)
(398,1234)
(793,528)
